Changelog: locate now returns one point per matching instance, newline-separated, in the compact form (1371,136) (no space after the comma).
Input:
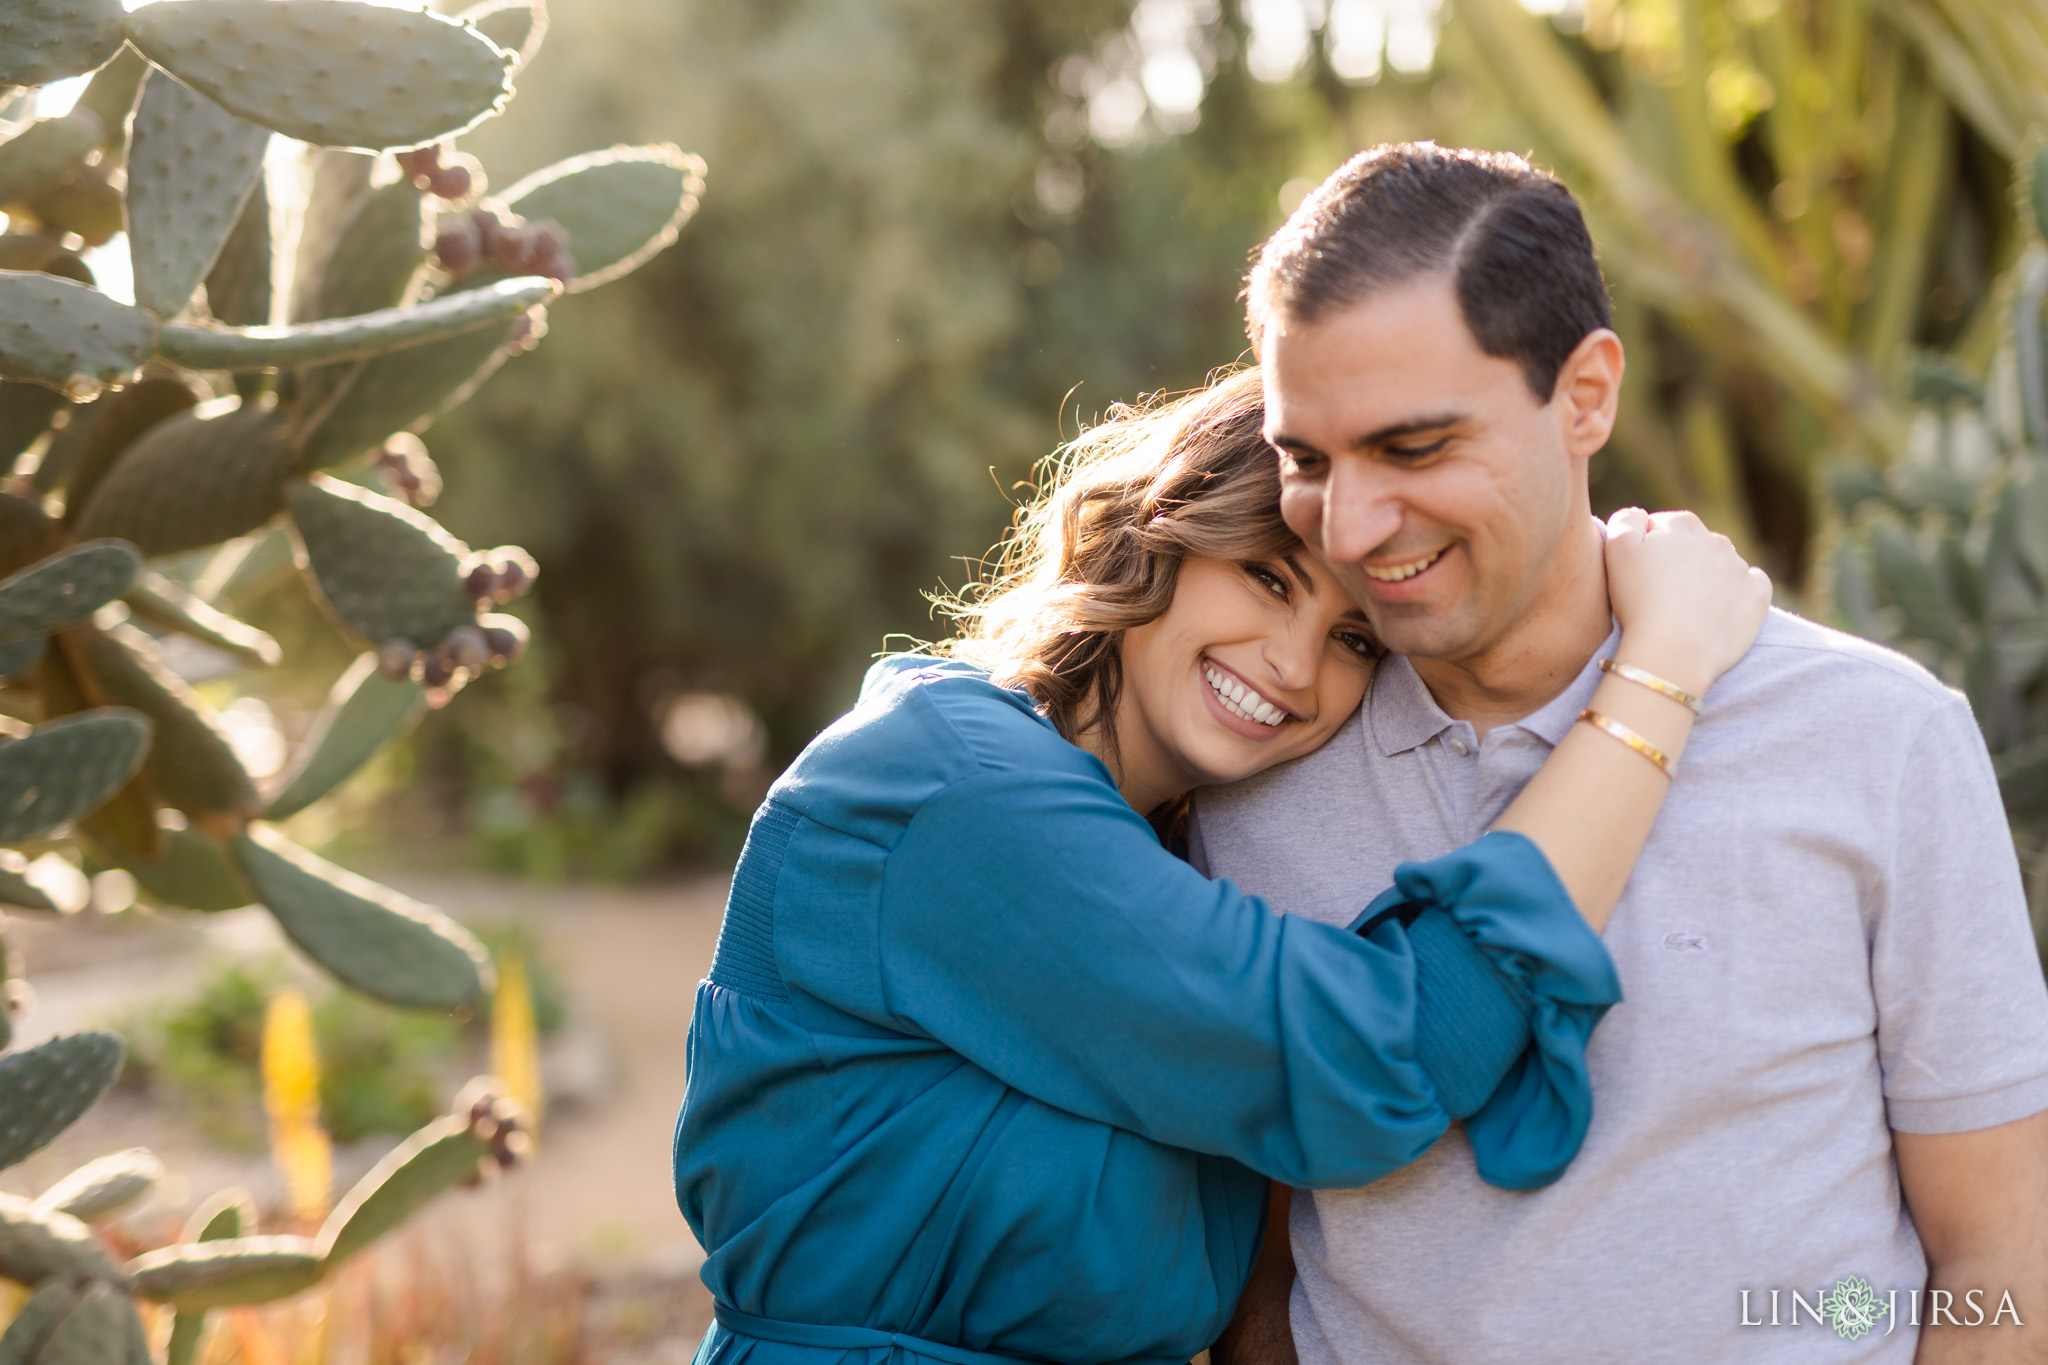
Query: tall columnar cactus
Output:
(289,338)
(1945,554)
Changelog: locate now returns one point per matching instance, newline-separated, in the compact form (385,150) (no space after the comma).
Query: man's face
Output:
(1436,485)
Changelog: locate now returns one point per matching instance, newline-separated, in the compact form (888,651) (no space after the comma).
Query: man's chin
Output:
(1417,632)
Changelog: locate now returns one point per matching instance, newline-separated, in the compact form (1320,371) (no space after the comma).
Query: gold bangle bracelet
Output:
(1630,738)
(1642,677)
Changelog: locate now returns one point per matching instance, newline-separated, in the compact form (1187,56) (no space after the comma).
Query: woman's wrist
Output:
(1683,664)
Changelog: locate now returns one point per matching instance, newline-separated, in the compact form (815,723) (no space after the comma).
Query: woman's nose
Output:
(1294,655)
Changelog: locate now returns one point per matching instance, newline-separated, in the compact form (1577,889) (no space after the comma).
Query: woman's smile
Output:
(1239,706)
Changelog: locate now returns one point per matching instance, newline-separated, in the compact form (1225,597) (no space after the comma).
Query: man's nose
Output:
(1359,515)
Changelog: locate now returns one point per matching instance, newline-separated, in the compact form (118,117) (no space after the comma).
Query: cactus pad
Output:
(377,260)
(47,40)
(193,481)
(66,769)
(382,943)
(35,1245)
(65,588)
(104,1187)
(353,338)
(44,1089)
(437,1157)
(518,26)
(364,712)
(48,150)
(241,286)
(191,764)
(101,432)
(335,73)
(385,570)
(160,602)
(191,168)
(194,873)
(68,335)
(25,413)
(46,1309)
(102,1328)
(619,206)
(230,1214)
(403,392)
(18,891)
(228,1272)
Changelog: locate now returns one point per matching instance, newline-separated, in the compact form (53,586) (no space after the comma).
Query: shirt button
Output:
(1457,746)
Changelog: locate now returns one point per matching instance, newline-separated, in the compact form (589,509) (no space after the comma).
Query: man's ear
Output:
(1589,390)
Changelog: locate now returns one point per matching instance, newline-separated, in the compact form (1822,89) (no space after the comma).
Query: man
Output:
(1832,1061)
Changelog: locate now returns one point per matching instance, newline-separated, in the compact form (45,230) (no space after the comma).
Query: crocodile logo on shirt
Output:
(1684,943)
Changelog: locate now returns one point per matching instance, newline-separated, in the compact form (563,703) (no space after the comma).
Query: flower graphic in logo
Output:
(1852,1308)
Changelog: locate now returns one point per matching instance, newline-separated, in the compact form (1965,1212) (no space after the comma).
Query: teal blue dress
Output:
(982,1072)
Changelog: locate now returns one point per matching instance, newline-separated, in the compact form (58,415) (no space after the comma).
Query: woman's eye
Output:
(1268,579)
(1364,646)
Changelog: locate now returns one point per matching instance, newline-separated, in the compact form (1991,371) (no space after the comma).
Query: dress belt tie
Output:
(852,1339)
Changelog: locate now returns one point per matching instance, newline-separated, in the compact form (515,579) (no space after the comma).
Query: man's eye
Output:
(1300,465)
(1420,452)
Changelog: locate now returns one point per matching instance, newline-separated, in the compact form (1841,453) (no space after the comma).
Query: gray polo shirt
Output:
(1825,940)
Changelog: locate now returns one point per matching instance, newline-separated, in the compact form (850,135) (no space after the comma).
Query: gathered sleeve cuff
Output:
(1510,983)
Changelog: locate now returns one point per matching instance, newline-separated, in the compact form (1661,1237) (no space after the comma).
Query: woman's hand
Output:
(1688,604)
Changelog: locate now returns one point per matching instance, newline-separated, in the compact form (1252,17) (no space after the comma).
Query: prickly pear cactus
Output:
(289,339)
(1945,555)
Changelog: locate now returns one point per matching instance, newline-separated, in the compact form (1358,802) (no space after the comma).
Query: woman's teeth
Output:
(1400,571)
(1240,700)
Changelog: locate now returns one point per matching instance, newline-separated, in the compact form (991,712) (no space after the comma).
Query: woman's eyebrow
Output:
(1308,585)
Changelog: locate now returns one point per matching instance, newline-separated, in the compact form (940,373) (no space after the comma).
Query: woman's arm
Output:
(1689,609)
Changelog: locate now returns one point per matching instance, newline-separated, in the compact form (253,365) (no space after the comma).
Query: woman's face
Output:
(1253,664)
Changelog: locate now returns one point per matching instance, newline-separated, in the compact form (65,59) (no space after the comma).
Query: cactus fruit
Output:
(48,40)
(191,167)
(408,471)
(68,335)
(66,769)
(384,944)
(65,588)
(227,1273)
(99,1189)
(45,1088)
(322,71)
(364,712)
(619,206)
(192,481)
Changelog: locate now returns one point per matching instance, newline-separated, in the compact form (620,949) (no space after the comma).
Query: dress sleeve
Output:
(1032,923)
(1507,905)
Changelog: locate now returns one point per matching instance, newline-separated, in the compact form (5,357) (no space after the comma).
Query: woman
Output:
(982,1072)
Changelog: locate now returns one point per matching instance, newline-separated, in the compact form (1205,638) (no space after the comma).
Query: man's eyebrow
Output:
(1414,426)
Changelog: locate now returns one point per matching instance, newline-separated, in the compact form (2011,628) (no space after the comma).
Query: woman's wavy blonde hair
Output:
(1098,550)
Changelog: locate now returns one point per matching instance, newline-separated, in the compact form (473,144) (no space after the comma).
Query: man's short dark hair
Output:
(1511,236)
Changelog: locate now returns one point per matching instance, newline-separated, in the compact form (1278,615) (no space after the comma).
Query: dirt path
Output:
(598,1192)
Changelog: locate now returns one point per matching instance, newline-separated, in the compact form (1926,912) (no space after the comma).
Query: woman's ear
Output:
(1589,391)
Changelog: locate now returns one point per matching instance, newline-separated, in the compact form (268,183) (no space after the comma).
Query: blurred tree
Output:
(936,226)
